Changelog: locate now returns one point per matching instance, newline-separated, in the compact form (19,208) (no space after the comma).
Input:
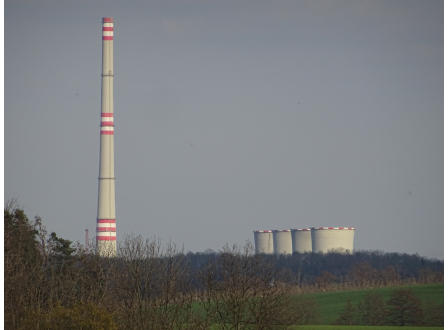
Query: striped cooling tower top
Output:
(341,228)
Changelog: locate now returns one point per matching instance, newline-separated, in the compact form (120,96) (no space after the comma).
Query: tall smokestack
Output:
(106,229)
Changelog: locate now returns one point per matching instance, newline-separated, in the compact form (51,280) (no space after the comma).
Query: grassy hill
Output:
(359,327)
(331,304)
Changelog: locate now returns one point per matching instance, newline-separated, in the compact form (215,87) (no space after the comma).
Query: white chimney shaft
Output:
(106,227)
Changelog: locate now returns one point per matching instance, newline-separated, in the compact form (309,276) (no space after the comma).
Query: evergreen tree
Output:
(59,246)
(348,315)
(404,308)
(433,314)
(22,264)
(373,309)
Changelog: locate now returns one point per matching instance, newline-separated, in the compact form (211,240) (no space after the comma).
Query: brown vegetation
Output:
(51,283)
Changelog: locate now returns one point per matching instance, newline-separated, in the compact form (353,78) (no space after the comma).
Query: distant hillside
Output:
(340,271)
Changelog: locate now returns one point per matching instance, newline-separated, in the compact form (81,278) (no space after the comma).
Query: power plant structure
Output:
(325,239)
(316,240)
(282,241)
(301,240)
(263,241)
(105,222)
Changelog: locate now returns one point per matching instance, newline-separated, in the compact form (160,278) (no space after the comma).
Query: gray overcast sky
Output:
(211,142)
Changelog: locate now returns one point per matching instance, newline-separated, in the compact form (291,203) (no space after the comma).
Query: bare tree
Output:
(150,285)
(324,280)
(390,276)
(427,275)
(241,290)
(363,275)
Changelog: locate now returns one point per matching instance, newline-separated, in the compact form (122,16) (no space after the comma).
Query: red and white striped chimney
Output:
(106,228)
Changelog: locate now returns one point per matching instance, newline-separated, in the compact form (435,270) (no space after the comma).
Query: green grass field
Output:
(358,327)
(332,303)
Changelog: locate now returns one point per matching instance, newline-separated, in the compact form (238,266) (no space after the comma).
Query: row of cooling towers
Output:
(320,239)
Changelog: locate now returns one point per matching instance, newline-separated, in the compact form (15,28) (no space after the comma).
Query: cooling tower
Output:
(328,238)
(105,223)
(282,241)
(263,241)
(301,240)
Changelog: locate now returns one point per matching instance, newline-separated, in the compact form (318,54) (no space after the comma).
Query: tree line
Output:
(340,270)
(51,283)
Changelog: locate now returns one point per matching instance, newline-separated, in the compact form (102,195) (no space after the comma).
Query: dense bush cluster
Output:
(51,283)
